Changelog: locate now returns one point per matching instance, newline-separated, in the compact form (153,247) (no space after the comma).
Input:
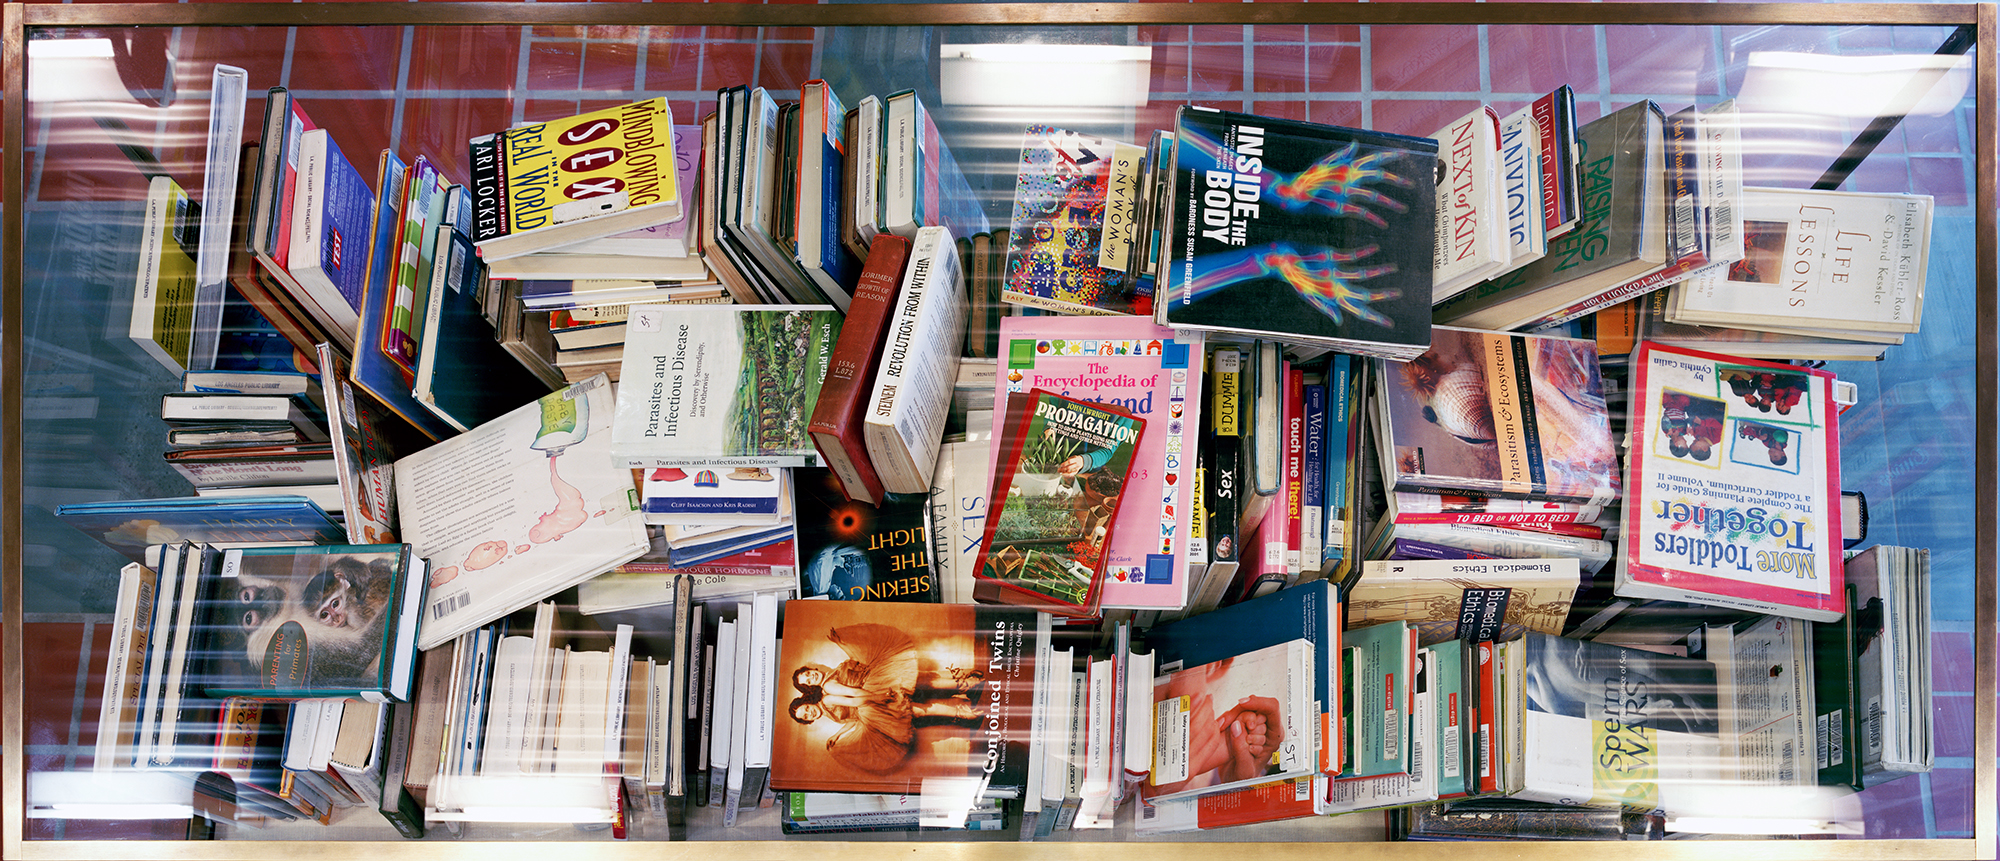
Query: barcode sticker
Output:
(449,605)
(1684,224)
(1833,736)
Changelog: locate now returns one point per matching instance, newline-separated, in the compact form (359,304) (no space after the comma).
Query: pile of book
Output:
(1260,470)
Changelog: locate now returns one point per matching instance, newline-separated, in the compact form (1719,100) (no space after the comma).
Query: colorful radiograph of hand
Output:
(1324,277)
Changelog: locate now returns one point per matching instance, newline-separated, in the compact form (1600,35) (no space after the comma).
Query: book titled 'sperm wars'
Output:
(722,385)
(912,393)
(564,181)
(843,396)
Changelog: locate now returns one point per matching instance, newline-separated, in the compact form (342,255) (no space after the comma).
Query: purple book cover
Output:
(1147,370)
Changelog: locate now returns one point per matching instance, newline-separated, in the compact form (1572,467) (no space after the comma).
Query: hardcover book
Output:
(1149,371)
(1734,485)
(1612,726)
(1056,493)
(879,698)
(921,182)
(556,511)
(1818,259)
(842,405)
(1072,234)
(849,550)
(1620,233)
(907,407)
(1498,414)
(721,385)
(300,622)
(1321,235)
(592,175)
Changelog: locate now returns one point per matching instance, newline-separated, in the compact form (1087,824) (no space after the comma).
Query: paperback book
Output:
(1236,722)
(1056,494)
(596,174)
(1321,235)
(553,511)
(1733,485)
(898,699)
(302,622)
(1498,414)
(1470,600)
(850,550)
(1153,372)
(1072,236)
(721,385)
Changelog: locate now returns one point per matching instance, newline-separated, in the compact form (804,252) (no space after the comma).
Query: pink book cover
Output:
(1155,374)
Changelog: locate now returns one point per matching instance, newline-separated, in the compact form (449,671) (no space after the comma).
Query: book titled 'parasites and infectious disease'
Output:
(1732,485)
(555,183)
(1301,232)
(721,385)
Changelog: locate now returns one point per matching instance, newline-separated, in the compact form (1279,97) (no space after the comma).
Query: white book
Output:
(511,703)
(324,175)
(911,396)
(125,669)
(580,724)
(1819,259)
(1056,733)
(816,213)
(866,158)
(615,692)
(1095,810)
(761,677)
(1472,243)
(557,513)
(193,560)
(301,731)
(722,711)
(545,753)
(758,203)
(739,711)
(227,99)
(538,683)
(1521,186)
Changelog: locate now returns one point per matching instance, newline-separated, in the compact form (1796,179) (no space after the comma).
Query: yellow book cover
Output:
(163,295)
(556,183)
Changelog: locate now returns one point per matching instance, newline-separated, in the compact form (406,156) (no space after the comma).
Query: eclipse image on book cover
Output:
(304,620)
(874,698)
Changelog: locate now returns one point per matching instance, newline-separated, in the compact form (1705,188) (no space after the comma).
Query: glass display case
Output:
(100,99)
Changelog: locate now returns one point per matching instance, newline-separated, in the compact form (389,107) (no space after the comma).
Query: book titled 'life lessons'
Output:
(721,385)
(1301,232)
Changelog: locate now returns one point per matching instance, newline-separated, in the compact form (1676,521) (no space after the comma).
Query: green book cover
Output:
(1384,659)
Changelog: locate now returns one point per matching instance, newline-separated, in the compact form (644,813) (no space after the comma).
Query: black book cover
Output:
(1301,231)
(849,550)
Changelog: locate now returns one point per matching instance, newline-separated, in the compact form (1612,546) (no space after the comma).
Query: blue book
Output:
(373,370)
(1340,394)
(129,526)
(464,376)
(333,217)
(1309,611)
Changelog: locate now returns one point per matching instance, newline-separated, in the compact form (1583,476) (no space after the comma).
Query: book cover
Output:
(1056,494)
(1819,259)
(361,454)
(1498,414)
(1620,233)
(1320,234)
(1466,599)
(911,397)
(163,294)
(1473,241)
(1071,237)
(879,698)
(130,526)
(1234,722)
(300,622)
(1612,726)
(721,385)
(839,411)
(849,550)
(1733,479)
(331,231)
(1151,372)
(592,175)
(556,512)
(1380,661)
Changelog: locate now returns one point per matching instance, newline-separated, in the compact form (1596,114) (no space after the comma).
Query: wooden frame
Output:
(16,19)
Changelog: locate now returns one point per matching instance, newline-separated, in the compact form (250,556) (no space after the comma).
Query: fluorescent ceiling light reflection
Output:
(1042,74)
(74,70)
(1861,87)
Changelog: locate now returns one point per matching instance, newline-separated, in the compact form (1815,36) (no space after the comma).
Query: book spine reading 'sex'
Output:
(837,417)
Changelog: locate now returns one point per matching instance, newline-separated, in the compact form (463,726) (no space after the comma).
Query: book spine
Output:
(1294,483)
(838,415)
(919,364)
(1224,455)
(124,674)
(489,200)
(1553,219)
(1341,378)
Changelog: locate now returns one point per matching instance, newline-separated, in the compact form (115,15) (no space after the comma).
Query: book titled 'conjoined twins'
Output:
(1732,485)
(721,385)
(565,181)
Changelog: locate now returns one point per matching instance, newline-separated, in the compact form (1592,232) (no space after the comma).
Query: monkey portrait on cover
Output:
(335,606)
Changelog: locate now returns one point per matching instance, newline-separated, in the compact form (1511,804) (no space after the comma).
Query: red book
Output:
(836,418)
(1488,766)
(1295,454)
